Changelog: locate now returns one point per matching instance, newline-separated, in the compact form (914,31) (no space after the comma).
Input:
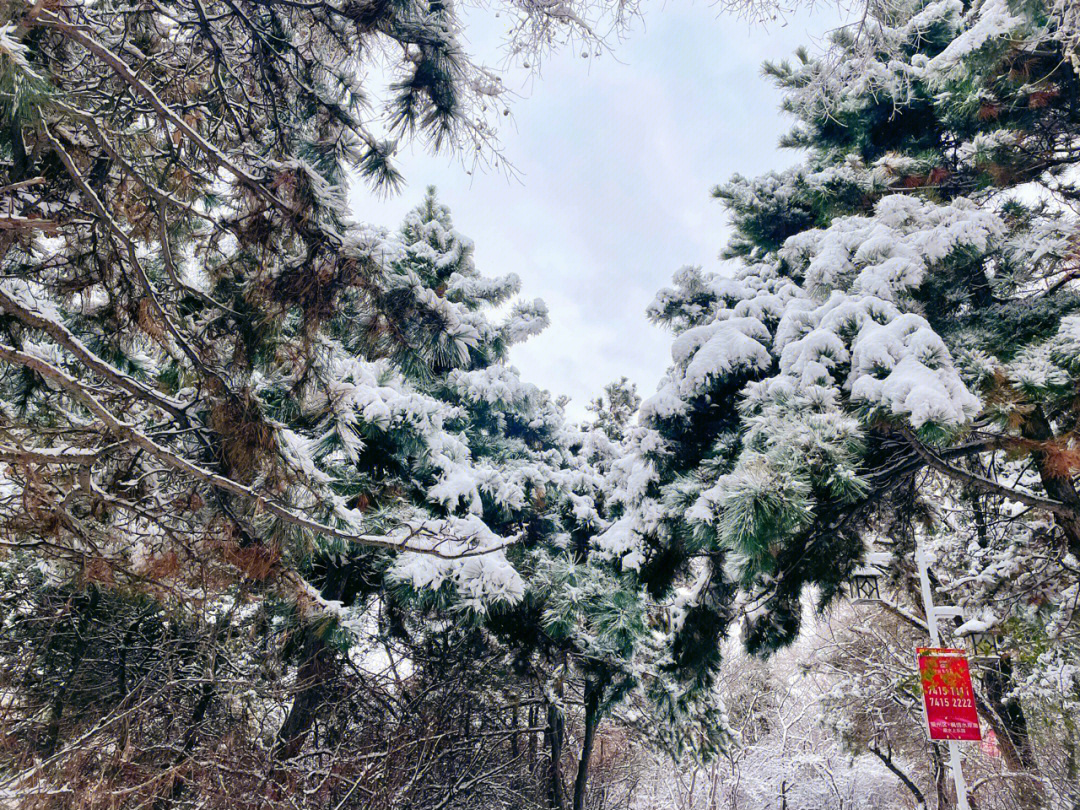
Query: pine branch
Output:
(58,332)
(165,112)
(27,224)
(985,484)
(49,455)
(133,259)
(887,761)
(33,181)
(127,433)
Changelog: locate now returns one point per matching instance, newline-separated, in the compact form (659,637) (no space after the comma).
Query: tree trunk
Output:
(998,680)
(19,162)
(122,680)
(198,714)
(909,783)
(56,710)
(593,692)
(556,728)
(311,678)
(315,671)
(514,735)
(941,777)
(1059,487)
(532,737)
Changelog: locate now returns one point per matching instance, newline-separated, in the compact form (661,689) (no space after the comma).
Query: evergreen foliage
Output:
(898,304)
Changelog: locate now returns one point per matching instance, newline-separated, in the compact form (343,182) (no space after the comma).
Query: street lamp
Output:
(865,581)
(982,638)
(866,585)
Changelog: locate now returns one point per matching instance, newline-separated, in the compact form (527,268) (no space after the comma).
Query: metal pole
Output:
(935,640)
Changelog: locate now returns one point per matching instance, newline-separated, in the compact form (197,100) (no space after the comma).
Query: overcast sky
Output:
(616,157)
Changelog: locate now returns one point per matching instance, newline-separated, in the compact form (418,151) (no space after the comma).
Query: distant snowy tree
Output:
(614,414)
(785,751)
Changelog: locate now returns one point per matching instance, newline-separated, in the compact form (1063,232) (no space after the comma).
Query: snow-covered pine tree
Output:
(423,322)
(895,331)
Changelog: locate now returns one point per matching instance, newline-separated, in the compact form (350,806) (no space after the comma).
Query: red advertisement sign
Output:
(947,694)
